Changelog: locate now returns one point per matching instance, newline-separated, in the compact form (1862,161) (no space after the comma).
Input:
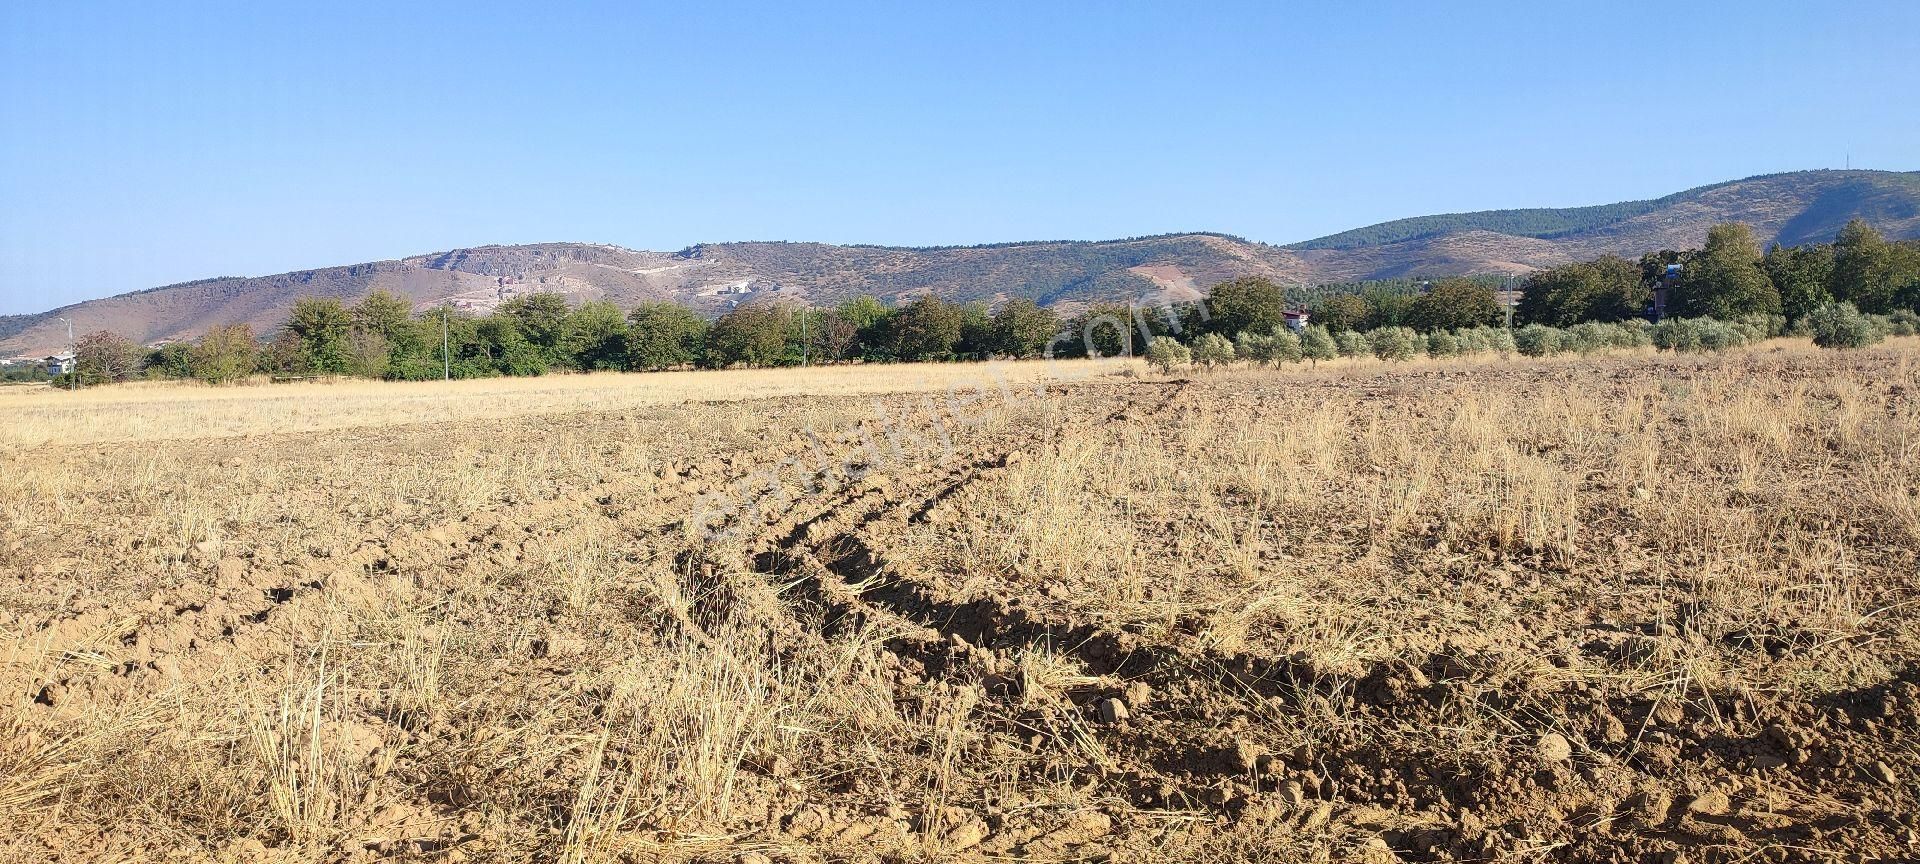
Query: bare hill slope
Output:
(1791,208)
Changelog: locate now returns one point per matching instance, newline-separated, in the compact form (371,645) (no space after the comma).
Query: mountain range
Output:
(1788,208)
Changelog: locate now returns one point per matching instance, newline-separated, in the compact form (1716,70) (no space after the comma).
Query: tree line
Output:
(381,337)
(1730,277)
(1860,283)
(1726,279)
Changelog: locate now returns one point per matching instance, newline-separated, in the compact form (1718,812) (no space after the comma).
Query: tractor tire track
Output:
(837,560)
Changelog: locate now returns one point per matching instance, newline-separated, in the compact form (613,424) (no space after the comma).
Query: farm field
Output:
(1626,607)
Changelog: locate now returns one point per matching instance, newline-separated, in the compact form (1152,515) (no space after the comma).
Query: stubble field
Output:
(1618,608)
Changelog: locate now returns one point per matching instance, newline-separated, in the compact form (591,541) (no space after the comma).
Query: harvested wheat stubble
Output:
(1615,609)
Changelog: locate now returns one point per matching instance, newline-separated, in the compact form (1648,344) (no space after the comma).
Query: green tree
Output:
(1872,274)
(504,348)
(976,331)
(1189,319)
(1840,325)
(1589,337)
(1718,335)
(471,349)
(1803,276)
(1724,279)
(1021,328)
(868,317)
(1906,267)
(225,354)
(1677,334)
(1340,312)
(1451,304)
(1255,347)
(1211,350)
(750,335)
(417,352)
(384,322)
(1166,354)
(596,336)
(1317,344)
(1388,307)
(542,320)
(1537,340)
(384,313)
(1609,288)
(926,329)
(1250,303)
(1653,265)
(1288,347)
(320,328)
(173,360)
(863,311)
(663,335)
(1395,343)
(1102,329)
(1352,343)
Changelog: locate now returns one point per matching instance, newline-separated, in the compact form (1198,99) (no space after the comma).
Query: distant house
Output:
(59,364)
(1296,320)
(1662,289)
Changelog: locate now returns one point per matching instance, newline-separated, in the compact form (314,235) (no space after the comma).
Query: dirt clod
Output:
(967,835)
(1710,803)
(1553,747)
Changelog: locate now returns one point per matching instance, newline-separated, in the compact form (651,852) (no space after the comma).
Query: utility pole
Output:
(804,342)
(73,360)
(1130,323)
(446,347)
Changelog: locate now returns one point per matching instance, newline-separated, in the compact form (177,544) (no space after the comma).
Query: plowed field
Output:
(1619,608)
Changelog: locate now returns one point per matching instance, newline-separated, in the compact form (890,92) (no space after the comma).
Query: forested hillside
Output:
(1538,222)
(1835,197)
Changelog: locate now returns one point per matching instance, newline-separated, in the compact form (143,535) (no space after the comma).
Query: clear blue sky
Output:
(146,143)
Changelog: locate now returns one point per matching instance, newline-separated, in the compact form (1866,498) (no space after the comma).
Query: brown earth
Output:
(1612,609)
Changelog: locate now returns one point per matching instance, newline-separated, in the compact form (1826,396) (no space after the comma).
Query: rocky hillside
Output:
(1791,208)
